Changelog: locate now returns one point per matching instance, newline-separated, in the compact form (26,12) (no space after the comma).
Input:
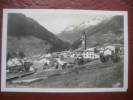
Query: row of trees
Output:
(15,54)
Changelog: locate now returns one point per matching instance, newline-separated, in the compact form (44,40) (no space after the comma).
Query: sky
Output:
(56,23)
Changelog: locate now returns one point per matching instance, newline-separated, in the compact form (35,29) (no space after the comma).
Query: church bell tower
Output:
(84,41)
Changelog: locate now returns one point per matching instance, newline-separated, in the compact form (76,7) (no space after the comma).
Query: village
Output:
(19,69)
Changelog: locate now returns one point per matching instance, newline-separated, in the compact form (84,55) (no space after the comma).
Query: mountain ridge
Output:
(21,27)
(107,32)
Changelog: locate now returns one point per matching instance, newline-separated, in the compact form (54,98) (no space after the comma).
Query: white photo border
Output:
(60,90)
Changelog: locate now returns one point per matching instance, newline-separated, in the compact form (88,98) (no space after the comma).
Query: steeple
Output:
(83,41)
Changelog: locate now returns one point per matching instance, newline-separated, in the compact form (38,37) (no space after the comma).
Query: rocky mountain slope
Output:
(106,32)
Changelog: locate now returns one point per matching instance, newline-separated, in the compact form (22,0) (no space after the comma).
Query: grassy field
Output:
(91,75)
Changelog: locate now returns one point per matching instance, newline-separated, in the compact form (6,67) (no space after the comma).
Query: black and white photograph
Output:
(64,50)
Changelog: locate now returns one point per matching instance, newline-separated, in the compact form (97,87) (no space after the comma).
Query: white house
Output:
(90,55)
(14,62)
(107,50)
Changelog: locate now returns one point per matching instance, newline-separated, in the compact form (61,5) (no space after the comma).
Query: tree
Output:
(8,56)
(21,54)
(14,54)
(95,50)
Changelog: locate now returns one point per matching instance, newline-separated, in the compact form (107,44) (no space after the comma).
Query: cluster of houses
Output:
(58,60)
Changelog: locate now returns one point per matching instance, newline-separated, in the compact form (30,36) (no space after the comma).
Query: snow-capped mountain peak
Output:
(85,24)
(89,23)
(70,28)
